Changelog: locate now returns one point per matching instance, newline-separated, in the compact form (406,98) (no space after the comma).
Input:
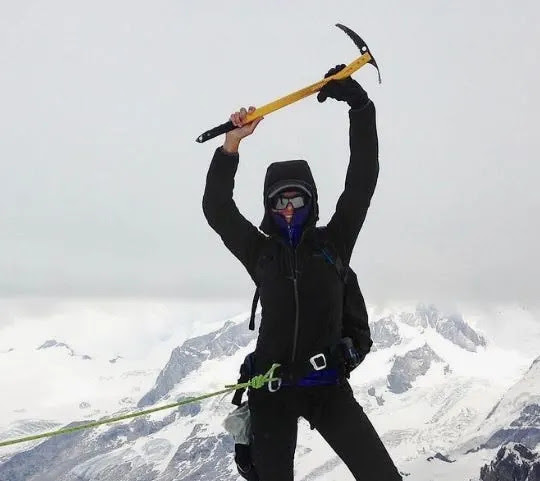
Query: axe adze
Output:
(356,64)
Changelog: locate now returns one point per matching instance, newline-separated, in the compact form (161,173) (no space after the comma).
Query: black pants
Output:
(336,415)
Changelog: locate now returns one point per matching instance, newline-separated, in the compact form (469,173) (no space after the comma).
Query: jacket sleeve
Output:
(241,237)
(360,181)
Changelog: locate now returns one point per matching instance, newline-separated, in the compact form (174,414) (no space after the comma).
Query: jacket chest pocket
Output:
(320,266)
(271,268)
(276,288)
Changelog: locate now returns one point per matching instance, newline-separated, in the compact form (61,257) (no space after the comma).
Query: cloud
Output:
(101,180)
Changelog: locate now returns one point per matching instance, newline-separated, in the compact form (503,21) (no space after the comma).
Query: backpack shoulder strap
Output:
(264,255)
(330,253)
(254,309)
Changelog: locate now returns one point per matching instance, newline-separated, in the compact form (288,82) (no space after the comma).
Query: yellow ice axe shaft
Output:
(310,90)
(288,99)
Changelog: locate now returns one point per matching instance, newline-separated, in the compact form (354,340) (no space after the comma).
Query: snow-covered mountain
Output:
(190,356)
(516,416)
(53,343)
(443,398)
(451,327)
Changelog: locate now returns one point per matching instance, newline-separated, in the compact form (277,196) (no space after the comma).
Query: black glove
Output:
(347,90)
(351,357)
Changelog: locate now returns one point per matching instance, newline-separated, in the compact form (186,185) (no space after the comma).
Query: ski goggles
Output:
(280,202)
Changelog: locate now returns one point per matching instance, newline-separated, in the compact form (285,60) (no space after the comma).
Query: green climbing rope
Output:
(256,382)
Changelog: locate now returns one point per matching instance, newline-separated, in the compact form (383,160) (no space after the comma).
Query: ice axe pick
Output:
(356,64)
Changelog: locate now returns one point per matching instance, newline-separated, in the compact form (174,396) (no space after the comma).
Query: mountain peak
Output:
(452,327)
(187,358)
(385,331)
(409,367)
(54,343)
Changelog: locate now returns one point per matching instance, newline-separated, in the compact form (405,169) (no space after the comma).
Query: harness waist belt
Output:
(322,368)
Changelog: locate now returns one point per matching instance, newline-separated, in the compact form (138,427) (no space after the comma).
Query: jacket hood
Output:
(288,173)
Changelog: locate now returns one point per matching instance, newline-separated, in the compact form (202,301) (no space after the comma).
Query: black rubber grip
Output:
(220,129)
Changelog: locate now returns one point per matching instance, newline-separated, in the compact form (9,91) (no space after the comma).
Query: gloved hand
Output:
(351,357)
(347,90)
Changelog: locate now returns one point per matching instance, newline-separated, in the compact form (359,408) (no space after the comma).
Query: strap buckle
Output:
(318,361)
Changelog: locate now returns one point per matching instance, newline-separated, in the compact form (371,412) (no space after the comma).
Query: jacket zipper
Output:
(296,299)
(297,310)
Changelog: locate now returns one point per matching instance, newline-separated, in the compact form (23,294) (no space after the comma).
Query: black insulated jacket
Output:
(301,292)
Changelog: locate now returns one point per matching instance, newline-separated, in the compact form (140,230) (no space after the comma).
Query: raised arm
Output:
(238,234)
(363,168)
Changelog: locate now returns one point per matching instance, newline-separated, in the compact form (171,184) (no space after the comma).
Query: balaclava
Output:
(292,231)
(290,175)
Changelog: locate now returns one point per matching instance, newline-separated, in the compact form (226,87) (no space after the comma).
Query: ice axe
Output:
(356,64)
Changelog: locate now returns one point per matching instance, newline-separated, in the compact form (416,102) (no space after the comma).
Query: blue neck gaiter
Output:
(292,232)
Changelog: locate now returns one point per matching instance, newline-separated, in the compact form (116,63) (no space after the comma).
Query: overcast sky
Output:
(101,181)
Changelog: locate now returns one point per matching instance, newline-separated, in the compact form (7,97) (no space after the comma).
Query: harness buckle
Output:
(318,361)
(274,385)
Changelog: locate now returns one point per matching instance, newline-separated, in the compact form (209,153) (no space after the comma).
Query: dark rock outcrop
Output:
(441,457)
(514,462)
(384,333)
(410,366)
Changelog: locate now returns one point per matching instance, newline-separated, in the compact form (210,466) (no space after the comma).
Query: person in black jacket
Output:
(293,264)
